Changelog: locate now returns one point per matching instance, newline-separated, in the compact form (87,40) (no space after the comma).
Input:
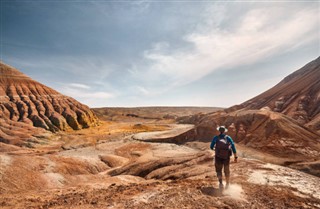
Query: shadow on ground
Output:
(211,191)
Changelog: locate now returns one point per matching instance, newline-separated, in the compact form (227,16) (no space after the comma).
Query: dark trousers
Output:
(222,163)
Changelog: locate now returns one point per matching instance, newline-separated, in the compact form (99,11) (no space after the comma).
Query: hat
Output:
(222,129)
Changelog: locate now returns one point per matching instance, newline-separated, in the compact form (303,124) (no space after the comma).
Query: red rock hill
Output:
(26,102)
(297,96)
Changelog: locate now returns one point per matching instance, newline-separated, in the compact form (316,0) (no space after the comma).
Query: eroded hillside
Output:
(26,103)
(297,95)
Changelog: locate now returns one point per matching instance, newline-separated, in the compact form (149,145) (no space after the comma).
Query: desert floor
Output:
(116,165)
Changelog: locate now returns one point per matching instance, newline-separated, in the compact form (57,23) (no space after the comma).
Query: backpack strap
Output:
(226,138)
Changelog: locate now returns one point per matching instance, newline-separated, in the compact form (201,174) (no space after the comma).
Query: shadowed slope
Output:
(297,95)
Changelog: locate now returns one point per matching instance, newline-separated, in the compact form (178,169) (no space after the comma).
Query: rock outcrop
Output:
(263,130)
(297,95)
(27,102)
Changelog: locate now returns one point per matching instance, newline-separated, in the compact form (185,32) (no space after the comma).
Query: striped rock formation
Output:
(25,102)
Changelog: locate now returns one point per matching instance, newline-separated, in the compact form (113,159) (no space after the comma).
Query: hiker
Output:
(224,146)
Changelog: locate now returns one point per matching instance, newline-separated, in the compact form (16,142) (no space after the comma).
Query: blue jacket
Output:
(229,139)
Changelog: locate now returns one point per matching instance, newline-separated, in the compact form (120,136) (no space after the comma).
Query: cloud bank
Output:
(259,34)
(109,53)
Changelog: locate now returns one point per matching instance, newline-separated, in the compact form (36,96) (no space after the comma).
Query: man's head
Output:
(222,129)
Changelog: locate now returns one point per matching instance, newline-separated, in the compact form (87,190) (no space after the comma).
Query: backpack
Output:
(223,148)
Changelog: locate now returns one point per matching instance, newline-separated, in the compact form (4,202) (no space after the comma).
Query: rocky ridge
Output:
(264,130)
(297,95)
(26,102)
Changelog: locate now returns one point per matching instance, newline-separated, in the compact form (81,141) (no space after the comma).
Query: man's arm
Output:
(213,142)
(233,147)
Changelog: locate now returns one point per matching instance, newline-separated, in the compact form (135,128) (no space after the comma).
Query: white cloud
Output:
(259,34)
(160,46)
(82,93)
(142,90)
(79,85)
(86,95)
(91,67)
(98,95)
(88,67)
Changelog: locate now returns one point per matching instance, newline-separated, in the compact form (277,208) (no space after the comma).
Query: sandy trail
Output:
(175,130)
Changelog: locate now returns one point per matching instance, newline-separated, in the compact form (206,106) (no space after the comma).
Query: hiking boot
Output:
(227,182)
(221,186)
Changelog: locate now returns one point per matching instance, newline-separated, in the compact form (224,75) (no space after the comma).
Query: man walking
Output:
(224,146)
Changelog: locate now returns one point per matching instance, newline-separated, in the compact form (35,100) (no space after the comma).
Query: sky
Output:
(159,53)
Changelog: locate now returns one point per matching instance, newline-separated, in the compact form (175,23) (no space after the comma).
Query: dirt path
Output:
(175,130)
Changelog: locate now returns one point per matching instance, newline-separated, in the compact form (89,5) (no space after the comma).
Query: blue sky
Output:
(159,53)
